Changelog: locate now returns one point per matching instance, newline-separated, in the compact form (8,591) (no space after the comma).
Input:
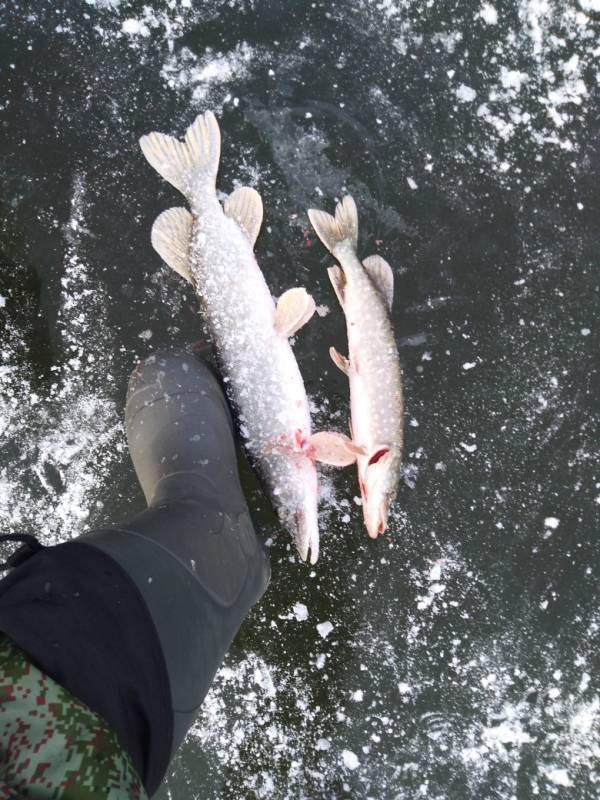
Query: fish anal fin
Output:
(381,274)
(339,360)
(294,308)
(171,236)
(244,205)
(334,448)
(338,281)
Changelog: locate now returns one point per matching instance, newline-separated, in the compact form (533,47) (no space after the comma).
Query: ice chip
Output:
(350,759)
(324,629)
(465,93)
(300,612)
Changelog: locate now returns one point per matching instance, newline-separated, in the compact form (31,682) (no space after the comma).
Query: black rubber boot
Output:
(194,554)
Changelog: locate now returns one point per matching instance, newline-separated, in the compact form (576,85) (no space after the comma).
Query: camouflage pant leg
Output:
(52,745)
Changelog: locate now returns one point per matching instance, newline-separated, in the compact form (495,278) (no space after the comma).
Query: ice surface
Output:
(62,444)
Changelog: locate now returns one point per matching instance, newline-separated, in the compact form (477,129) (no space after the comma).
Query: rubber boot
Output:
(194,554)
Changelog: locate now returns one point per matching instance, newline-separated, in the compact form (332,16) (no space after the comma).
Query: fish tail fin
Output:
(189,165)
(333,231)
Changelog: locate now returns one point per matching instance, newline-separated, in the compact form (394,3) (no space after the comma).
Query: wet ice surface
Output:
(461,651)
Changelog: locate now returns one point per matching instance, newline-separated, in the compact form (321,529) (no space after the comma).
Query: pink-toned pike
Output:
(365,292)
(213,248)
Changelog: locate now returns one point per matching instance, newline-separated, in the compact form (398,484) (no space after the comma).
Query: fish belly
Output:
(261,373)
(375,387)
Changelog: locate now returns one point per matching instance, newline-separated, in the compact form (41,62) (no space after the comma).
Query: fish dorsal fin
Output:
(294,308)
(245,207)
(171,236)
(382,276)
(339,360)
(190,164)
(338,281)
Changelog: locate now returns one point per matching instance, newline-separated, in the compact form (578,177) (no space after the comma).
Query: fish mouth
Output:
(376,518)
(378,479)
(306,536)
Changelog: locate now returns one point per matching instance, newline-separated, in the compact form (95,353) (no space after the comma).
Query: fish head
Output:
(379,473)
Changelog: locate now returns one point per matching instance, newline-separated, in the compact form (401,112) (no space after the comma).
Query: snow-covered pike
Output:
(365,292)
(212,247)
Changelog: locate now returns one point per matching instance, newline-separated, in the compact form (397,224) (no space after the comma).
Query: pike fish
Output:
(365,292)
(213,248)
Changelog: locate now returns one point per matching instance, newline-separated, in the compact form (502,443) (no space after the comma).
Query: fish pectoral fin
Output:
(339,360)
(338,281)
(382,276)
(171,236)
(334,448)
(245,207)
(294,308)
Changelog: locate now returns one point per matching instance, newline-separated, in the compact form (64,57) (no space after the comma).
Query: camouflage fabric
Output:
(52,745)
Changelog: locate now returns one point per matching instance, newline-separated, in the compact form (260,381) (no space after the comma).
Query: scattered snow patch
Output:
(324,629)
(465,93)
(489,14)
(300,612)
(350,759)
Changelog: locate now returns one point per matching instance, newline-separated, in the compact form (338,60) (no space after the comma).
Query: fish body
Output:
(212,247)
(373,365)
